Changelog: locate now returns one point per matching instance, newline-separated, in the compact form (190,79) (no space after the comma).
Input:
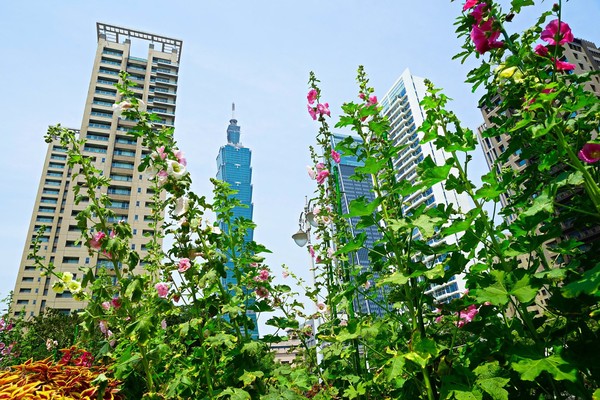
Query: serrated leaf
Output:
(496,293)
(362,206)
(523,291)
(589,283)
(543,202)
(396,278)
(250,376)
(530,369)
(489,381)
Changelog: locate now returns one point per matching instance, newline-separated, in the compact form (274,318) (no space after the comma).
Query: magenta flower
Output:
(312,112)
(469,4)
(263,275)
(478,11)
(485,37)
(96,239)
(541,50)
(312,96)
(372,100)
(466,316)
(323,109)
(262,292)
(161,152)
(557,30)
(563,65)
(336,156)
(116,302)
(589,153)
(320,166)
(162,288)
(321,176)
(184,264)
(311,251)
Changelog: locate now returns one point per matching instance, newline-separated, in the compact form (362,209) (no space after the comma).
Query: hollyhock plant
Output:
(372,100)
(323,109)
(320,166)
(312,112)
(466,316)
(95,241)
(180,157)
(541,50)
(557,30)
(485,37)
(312,172)
(263,275)
(262,292)
(336,156)
(182,205)
(184,265)
(162,288)
(589,153)
(321,176)
(175,169)
(563,65)
(312,96)
(470,4)
(116,303)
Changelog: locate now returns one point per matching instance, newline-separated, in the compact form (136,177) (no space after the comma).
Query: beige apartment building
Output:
(585,56)
(115,153)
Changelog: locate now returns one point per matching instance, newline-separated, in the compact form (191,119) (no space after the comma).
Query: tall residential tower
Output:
(401,106)
(113,151)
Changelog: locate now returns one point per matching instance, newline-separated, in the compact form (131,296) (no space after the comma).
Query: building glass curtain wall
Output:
(234,167)
(401,105)
(350,190)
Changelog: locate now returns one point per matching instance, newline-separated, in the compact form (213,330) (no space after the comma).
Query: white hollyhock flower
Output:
(182,204)
(175,169)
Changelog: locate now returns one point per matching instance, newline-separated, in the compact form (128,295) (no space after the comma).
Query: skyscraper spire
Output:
(232,110)
(233,130)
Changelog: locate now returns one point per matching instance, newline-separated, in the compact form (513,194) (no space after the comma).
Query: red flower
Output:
(485,37)
(563,65)
(541,50)
(590,153)
(469,4)
(557,30)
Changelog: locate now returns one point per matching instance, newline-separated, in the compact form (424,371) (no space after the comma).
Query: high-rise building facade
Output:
(113,151)
(401,106)
(234,167)
(351,189)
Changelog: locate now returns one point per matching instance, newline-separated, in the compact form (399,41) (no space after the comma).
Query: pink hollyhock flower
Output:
(557,30)
(184,265)
(321,307)
(162,177)
(180,157)
(563,65)
(311,251)
(262,292)
(320,167)
(285,274)
(541,50)
(478,11)
(312,96)
(263,275)
(106,305)
(470,4)
(362,96)
(323,109)
(103,327)
(336,156)
(312,112)
(367,285)
(163,324)
(321,176)
(466,316)
(589,153)
(116,302)
(312,172)
(160,151)
(162,288)
(96,239)
(484,37)
(372,100)
(330,253)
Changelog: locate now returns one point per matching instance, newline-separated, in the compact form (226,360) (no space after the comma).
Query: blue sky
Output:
(255,53)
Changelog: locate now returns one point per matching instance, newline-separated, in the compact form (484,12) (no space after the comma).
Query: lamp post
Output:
(306,221)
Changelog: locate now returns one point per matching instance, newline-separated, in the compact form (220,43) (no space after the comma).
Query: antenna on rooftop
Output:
(232,110)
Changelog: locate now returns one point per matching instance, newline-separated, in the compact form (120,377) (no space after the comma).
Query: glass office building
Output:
(234,167)
(350,190)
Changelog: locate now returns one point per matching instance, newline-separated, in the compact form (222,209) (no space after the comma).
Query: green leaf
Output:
(530,369)
(496,292)
(362,206)
(372,165)
(427,224)
(523,291)
(543,202)
(467,395)
(355,244)
(251,376)
(489,381)
(235,394)
(134,290)
(589,283)
(397,278)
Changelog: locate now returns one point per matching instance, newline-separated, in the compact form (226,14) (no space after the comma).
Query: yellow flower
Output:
(74,286)
(67,277)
